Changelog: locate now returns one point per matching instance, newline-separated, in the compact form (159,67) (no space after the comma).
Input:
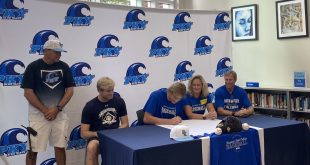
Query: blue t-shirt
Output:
(159,106)
(198,105)
(239,148)
(233,102)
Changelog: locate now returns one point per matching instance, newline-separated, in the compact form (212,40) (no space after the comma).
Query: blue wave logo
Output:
(8,75)
(180,24)
(133,22)
(39,39)
(158,49)
(212,94)
(236,143)
(222,22)
(201,47)
(50,161)
(222,68)
(105,48)
(9,143)
(76,17)
(9,11)
(133,76)
(181,73)
(80,78)
(75,139)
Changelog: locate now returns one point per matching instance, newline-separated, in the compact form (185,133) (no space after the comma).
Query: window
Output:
(164,4)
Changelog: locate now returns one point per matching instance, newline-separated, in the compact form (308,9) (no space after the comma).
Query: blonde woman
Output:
(198,102)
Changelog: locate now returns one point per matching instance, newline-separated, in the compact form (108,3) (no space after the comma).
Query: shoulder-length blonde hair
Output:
(204,89)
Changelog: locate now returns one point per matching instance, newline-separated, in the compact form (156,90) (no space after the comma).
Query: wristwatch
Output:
(204,117)
(59,108)
(233,113)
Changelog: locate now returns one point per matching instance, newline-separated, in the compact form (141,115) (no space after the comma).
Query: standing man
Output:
(48,87)
(231,100)
(164,106)
(105,111)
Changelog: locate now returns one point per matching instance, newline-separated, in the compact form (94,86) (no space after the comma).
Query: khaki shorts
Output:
(55,132)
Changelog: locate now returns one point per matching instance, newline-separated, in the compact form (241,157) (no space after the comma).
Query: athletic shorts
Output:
(55,132)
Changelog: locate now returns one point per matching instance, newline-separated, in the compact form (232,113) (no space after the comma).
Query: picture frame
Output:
(244,23)
(292,19)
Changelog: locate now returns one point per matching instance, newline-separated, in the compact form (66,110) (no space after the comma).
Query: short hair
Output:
(204,89)
(177,88)
(231,72)
(104,83)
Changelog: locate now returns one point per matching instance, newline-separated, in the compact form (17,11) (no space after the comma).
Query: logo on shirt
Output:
(80,78)
(105,47)
(108,116)
(133,22)
(231,104)
(222,67)
(8,75)
(222,22)
(9,11)
(11,142)
(168,110)
(182,73)
(133,75)
(180,24)
(51,78)
(158,49)
(236,143)
(50,161)
(39,40)
(76,141)
(201,47)
(76,17)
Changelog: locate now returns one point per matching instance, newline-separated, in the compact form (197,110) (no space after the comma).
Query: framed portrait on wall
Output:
(292,20)
(244,23)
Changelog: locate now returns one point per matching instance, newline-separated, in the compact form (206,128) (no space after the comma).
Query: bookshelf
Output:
(290,103)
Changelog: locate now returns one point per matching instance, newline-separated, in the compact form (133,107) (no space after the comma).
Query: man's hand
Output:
(176,120)
(211,115)
(51,114)
(242,112)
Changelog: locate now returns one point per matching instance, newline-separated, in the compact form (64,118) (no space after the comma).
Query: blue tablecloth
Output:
(287,142)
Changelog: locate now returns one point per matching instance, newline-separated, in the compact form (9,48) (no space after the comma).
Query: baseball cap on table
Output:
(54,45)
(180,133)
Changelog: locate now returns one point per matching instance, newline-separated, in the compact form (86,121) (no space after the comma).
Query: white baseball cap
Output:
(180,133)
(54,45)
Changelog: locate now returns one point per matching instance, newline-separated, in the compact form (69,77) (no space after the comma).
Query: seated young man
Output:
(102,112)
(164,105)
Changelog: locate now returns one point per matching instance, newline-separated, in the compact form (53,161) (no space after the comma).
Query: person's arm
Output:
(150,119)
(189,113)
(86,133)
(223,112)
(212,113)
(124,122)
(244,112)
(34,100)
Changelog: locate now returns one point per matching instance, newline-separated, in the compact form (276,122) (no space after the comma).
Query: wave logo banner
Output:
(39,40)
(182,73)
(105,47)
(134,76)
(8,75)
(10,12)
(75,17)
(80,78)
(133,22)
(222,22)
(76,141)
(201,47)
(158,49)
(50,161)
(11,142)
(180,24)
(222,67)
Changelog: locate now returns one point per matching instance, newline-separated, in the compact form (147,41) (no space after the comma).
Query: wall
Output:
(268,60)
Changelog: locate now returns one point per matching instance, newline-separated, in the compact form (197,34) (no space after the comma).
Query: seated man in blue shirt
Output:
(164,105)
(231,100)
